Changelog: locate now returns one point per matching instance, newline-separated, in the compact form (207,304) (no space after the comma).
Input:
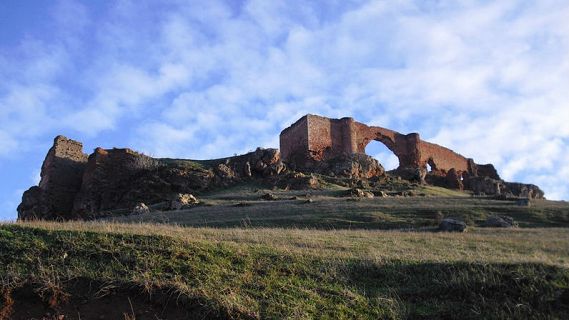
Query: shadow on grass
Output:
(468,290)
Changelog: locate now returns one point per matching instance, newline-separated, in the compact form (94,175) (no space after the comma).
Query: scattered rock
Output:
(359,193)
(452,225)
(381,194)
(183,201)
(500,222)
(269,197)
(297,181)
(140,208)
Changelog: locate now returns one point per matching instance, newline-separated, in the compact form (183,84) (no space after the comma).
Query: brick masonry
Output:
(314,138)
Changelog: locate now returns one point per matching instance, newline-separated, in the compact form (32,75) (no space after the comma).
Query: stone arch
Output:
(395,142)
(383,154)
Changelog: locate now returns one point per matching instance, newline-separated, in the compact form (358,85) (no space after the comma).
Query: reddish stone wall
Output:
(441,158)
(294,141)
(328,138)
(61,176)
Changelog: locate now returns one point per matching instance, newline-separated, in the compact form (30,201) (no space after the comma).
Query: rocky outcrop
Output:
(500,222)
(452,225)
(183,201)
(76,186)
(494,187)
(297,181)
(61,178)
(359,193)
(140,208)
(529,191)
(355,166)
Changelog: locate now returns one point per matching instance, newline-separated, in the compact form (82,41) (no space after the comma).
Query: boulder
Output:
(355,166)
(269,197)
(224,171)
(359,193)
(381,194)
(452,225)
(140,209)
(182,201)
(500,222)
(297,181)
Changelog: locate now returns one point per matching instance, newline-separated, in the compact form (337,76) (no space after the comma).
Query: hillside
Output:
(335,208)
(315,229)
(116,271)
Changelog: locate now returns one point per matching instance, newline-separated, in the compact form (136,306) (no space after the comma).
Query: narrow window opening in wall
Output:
(431,166)
(381,153)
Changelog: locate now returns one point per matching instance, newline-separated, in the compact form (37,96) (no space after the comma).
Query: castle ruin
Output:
(314,138)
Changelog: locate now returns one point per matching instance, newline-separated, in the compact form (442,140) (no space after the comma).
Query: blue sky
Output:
(203,79)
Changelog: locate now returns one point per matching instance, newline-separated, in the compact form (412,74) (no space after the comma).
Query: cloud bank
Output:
(208,79)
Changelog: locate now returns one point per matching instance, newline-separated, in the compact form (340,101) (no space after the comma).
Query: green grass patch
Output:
(299,274)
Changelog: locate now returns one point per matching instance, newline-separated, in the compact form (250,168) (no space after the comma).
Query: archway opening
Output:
(431,166)
(381,153)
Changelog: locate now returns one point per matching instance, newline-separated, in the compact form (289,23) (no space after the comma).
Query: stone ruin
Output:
(314,139)
(75,185)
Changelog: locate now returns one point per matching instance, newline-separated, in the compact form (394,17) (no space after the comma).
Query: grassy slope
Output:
(331,209)
(279,273)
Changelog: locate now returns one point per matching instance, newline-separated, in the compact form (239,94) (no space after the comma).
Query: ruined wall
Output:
(294,141)
(61,176)
(329,138)
(106,179)
(315,140)
(441,158)
(74,186)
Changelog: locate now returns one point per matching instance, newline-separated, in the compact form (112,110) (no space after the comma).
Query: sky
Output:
(206,79)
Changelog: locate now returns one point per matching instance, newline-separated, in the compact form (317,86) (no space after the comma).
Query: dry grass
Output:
(305,273)
(546,245)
